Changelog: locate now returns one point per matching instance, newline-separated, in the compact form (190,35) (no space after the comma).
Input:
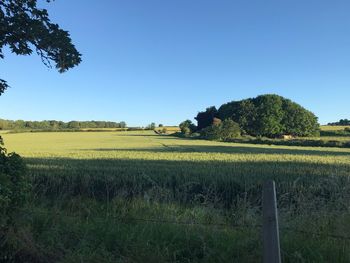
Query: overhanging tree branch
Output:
(25,28)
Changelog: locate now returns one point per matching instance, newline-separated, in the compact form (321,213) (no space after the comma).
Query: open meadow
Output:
(143,197)
(333,128)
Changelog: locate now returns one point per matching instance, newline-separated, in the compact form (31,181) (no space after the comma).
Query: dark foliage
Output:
(271,116)
(205,118)
(224,131)
(187,127)
(13,185)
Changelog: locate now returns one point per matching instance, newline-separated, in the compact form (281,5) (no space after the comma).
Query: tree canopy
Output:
(24,28)
(266,115)
(205,118)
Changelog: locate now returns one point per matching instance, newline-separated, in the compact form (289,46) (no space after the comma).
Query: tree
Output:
(151,126)
(205,118)
(73,125)
(25,28)
(122,124)
(270,115)
(341,122)
(187,127)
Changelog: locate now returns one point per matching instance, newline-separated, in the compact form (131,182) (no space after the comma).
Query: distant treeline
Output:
(342,122)
(58,125)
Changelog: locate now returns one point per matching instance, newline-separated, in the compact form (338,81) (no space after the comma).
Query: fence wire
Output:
(129,220)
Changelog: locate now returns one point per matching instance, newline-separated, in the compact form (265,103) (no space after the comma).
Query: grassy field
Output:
(142,197)
(333,128)
(168,129)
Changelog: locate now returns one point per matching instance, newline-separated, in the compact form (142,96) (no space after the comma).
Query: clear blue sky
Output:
(163,61)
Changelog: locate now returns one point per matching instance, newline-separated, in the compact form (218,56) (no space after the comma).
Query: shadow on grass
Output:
(219,183)
(227,149)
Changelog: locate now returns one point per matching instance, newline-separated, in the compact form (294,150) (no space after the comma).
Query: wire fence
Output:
(130,220)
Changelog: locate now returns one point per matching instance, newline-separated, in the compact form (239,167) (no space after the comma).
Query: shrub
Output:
(211,133)
(187,127)
(195,135)
(229,130)
(13,185)
(225,131)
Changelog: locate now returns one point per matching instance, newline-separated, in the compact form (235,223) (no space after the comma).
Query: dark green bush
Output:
(211,133)
(224,131)
(13,185)
(187,127)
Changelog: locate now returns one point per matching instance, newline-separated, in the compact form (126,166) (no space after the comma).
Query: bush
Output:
(229,130)
(195,135)
(187,127)
(224,131)
(13,185)
(211,133)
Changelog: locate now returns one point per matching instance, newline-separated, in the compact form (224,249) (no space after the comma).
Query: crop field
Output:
(332,128)
(143,197)
(169,129)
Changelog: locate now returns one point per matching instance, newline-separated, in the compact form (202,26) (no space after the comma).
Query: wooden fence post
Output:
(271,242)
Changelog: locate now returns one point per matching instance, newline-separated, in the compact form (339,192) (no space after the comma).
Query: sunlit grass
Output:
(333,128)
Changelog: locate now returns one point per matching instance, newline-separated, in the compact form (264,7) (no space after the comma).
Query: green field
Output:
(333,128)
(142,197)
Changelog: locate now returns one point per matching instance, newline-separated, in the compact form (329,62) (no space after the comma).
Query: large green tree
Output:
(270,115)
(25,28)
